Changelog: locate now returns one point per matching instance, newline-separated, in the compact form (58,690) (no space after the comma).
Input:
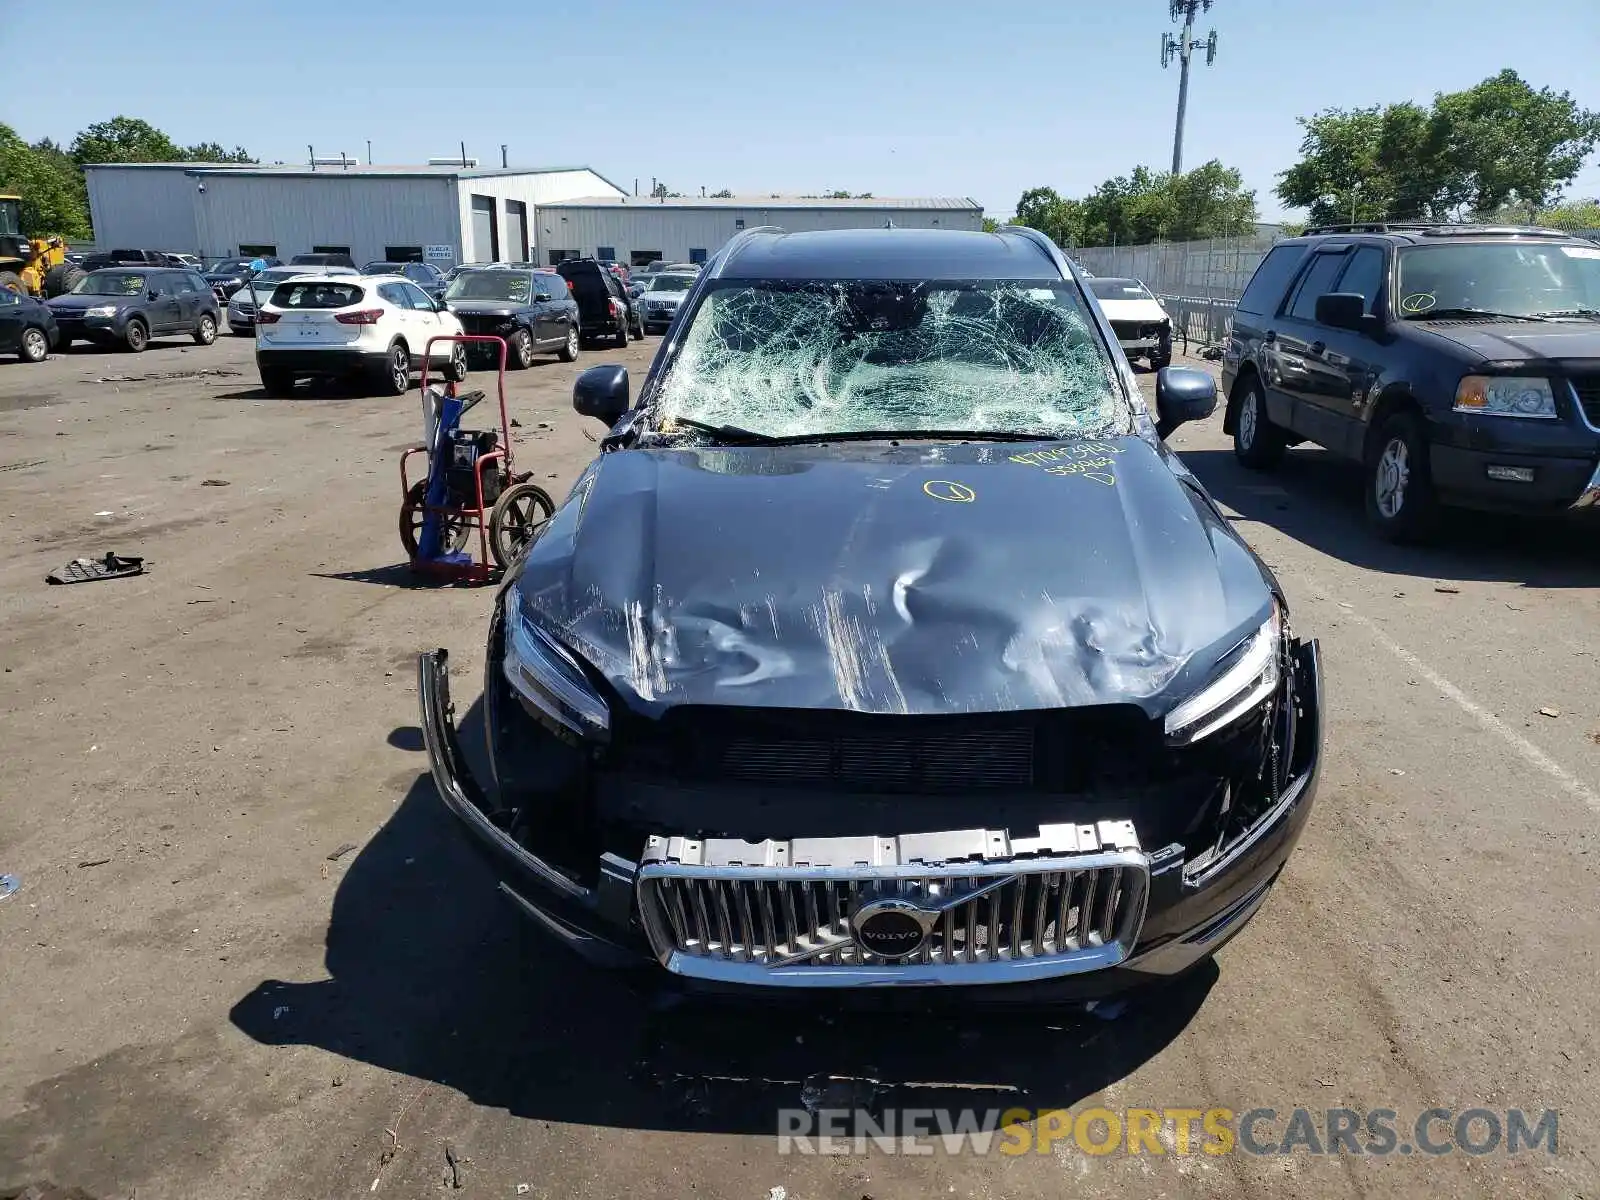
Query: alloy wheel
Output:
(1391,477)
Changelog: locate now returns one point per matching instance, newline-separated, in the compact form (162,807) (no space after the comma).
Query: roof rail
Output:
(1437,229)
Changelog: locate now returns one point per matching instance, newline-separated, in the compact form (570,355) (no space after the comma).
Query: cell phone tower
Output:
(1182,48)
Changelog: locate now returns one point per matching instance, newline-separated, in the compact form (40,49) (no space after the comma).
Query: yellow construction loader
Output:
(35,266)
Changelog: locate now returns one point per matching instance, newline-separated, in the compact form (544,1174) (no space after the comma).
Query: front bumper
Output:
(1186,912)
(1463,476)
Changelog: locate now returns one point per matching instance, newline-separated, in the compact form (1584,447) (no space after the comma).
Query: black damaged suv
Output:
(1460,364)
(885,646)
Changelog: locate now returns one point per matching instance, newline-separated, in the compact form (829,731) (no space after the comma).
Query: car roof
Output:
(888,254)
(142,269)
(1415,233)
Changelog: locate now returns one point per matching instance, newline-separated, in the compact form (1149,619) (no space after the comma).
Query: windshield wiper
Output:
(1572,312)
(1436,314)
(732,434)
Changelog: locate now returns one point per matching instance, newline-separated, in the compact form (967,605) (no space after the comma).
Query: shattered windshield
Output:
(794,359)
(1517,278)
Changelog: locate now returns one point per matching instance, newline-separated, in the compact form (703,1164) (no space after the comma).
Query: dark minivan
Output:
(131,305)
(606,310)
(1459,364)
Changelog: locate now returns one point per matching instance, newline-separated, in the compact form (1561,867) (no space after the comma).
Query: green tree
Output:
(1209,201)
(1474,151)
(123,140)
(724,194)
(990,225)
(213,152)
(50,192)
(1045,209)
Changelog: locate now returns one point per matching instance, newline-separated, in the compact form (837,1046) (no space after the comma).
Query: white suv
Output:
(369,327)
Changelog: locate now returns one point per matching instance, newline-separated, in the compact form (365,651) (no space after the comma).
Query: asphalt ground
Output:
(199,997)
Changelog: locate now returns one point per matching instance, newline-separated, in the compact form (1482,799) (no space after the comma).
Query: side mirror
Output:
(152,294)
(440,306)
(602,393)
(1341,310)
(1183,394)
(542,297)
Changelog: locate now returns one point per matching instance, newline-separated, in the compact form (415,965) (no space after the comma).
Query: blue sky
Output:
(932,98)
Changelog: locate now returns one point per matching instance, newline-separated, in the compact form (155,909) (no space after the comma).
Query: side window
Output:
(1317,280)
(184,284)
(200,285)
(9,299)
(390,293)
(164,285)
(418,298)
(1364,275)
(1272,276)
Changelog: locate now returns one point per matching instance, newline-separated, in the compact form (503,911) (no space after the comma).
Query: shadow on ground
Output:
(433,975)
(1316,498)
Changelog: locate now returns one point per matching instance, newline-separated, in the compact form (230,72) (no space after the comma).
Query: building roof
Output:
(888,254)
(447,170)
(770,202)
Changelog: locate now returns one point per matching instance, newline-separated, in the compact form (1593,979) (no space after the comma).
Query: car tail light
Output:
(267,318)
(616,309)
(365,316)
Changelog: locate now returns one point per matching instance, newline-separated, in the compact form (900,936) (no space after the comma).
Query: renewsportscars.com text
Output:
(1375,1132)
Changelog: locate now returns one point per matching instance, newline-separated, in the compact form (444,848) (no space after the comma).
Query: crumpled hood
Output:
(1133,310)
(1501,340)
(912,579)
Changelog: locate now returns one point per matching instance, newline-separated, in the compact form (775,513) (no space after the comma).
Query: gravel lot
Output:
(197,1001)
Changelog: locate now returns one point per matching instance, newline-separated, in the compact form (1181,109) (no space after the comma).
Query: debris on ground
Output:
(343,849)
(1447,589)
(516,424)
(523,1189)
(89,570)
(8,884)
(452,1163)
(1549,711)
(216,483)
(1396,771)
(778,1193)
(93,862)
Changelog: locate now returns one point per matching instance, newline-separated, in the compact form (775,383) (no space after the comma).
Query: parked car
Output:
(354,328)
(962,680)
(228,275)
(658,303)
(1142,326)
(188,262)
(125,258)
(244,303)
(425,275)
(533,310)
(132,305)
(27,328)
(1459,364)
(323,260)
(605,308)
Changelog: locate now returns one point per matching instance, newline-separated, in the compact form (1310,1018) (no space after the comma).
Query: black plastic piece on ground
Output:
(88,570)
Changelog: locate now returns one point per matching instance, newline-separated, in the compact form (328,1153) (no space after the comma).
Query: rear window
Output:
(1271,278)
(317,294)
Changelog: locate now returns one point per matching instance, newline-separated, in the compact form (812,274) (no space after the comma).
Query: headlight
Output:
(1505,396)
(101,310)
(1249,676)
(547,677)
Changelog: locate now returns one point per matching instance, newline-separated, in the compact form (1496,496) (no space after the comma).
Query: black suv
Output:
(604,306)
(869,655)
(131,305)
(231,274)
(532,310)
(1460,364)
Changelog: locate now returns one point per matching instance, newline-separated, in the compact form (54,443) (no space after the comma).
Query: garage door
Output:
(516,231)
(485,230)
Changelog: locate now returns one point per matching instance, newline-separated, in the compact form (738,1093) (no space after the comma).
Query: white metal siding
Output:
(143,209)
(532,190)
(295,213)
(676,231)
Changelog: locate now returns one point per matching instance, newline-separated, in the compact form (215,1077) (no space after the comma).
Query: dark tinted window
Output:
(317,294)
(1271,277)
(1317,281)
(1364,275)
(551,285)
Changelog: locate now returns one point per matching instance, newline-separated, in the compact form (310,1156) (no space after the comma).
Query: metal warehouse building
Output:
(448,214)
(637,230)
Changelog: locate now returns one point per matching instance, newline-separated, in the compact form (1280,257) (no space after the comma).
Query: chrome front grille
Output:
(780,913)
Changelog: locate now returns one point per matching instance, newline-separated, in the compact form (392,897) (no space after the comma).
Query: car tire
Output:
(570,347)
(205,330)
(1257,442)
(275,383)
(638,331)
(519,350)
(34,346)
(1161,356)
(394,377)
(62,278)
(620,338)
(455,371)
(1400,500)
(137,336)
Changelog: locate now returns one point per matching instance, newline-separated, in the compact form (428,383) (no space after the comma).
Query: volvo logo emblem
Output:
(891,927)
